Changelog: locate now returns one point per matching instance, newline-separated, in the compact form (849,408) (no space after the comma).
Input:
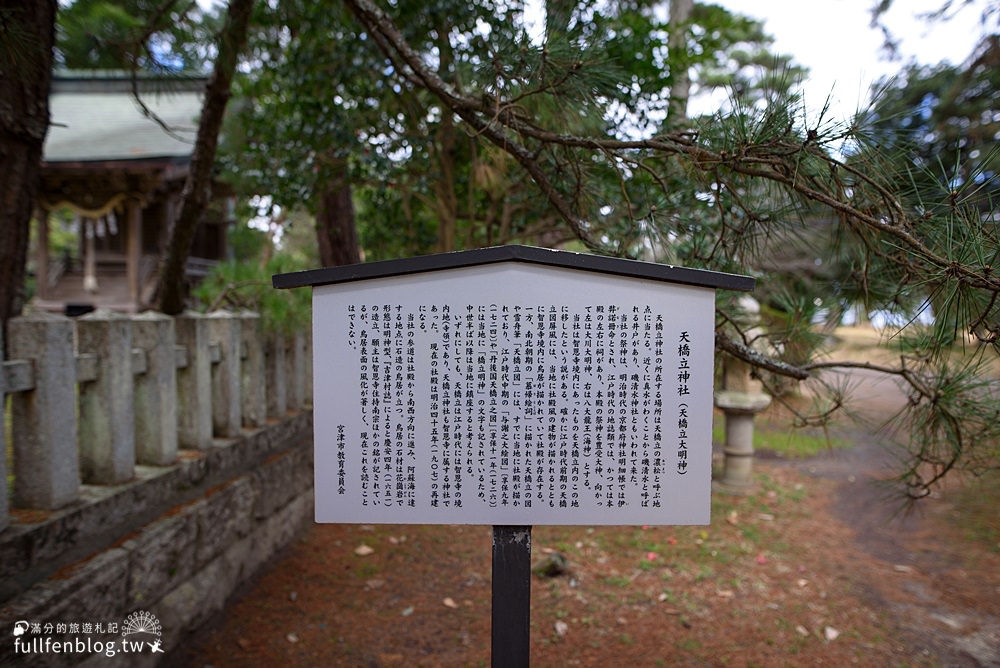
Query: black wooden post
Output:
(511,596)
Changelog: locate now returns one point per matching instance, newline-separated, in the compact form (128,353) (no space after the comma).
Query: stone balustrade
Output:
(174,452)
(93,397)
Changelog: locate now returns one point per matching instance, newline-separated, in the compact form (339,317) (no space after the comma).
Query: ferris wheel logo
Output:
(141,621)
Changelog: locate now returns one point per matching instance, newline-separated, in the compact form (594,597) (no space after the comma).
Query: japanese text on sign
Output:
(576,411)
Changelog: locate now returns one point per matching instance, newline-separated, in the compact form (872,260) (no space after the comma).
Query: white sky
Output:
(833,39)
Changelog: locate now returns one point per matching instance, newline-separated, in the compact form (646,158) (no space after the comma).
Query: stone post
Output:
(194,382)
(277,393)
(254,380)
(739,402)
(227,420)
(156,390)
(107,422)
(46,461)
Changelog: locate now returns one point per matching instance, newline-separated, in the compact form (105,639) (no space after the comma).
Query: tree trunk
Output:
(27,34)
(446,202)
(677,55)
(336,232)
(557,17)
(170,288)
(446,142)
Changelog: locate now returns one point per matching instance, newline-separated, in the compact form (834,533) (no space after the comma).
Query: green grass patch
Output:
(616,581)
(976,510)
(789,442)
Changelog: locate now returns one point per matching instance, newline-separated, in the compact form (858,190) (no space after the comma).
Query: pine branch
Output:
(893,236)
(756,359)
(393,44)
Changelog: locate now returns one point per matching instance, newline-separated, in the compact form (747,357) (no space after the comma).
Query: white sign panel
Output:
(513,394)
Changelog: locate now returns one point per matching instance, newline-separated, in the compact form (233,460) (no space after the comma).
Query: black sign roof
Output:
(526,254)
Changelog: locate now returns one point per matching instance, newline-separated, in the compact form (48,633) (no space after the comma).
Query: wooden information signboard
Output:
(513,386)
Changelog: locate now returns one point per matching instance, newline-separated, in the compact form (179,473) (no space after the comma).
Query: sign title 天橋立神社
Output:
(530,391)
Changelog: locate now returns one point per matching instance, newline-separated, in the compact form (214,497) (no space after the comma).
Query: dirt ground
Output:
(815,567)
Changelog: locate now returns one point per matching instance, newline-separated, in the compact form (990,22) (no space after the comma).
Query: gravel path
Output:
(945,603)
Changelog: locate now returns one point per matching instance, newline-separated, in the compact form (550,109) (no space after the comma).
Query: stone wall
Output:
(181,566)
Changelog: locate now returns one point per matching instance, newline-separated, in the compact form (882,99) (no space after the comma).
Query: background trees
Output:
(762,170)
(27,35)
(149,35)
(170,295)
(413,127)
(324,111)
(940,123)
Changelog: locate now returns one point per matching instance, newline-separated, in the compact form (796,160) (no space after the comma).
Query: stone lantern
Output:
(740,400)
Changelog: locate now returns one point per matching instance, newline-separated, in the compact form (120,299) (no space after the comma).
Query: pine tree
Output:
(760,171)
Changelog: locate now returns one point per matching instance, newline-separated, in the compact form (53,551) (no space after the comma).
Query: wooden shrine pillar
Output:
(42,254)
(133,250)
